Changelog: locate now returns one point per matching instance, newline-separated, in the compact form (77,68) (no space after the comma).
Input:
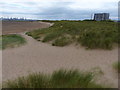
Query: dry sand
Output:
(41,57)
(9,27)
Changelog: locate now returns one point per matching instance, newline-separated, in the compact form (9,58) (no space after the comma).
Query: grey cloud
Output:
(61,10)
(67,13)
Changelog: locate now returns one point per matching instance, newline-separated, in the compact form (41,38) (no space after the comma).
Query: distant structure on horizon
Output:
(101,16)
(15,19)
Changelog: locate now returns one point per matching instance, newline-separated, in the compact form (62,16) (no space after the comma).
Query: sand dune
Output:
(40,57)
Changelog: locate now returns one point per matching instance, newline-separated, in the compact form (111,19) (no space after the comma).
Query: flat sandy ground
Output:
(41,57)
(9,27)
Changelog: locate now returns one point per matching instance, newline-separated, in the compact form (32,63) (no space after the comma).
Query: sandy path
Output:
(40,57)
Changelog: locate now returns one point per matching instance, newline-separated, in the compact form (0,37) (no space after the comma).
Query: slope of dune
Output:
(40,57)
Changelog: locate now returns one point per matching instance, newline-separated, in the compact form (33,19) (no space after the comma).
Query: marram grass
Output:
(91,34)
(10,41)
(58,79)
(116,66)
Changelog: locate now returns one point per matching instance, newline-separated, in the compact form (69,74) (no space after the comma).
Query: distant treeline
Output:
(24,19)
(76,20)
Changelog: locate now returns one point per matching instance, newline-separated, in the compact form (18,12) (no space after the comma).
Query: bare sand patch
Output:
(9,27)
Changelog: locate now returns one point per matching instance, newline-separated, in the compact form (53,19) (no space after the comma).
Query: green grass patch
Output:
(51,36)
(91,34)
(116,66)
(0,42)
(58,79)
(10,41)
(98,38)
(62,41)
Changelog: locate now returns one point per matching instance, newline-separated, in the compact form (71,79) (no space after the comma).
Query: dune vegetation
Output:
(91,34)
(10,41)
(116,66)
(58,79)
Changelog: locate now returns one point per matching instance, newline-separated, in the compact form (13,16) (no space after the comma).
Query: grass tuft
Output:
(58,79)
(62,41)
(116,66)
(11,41)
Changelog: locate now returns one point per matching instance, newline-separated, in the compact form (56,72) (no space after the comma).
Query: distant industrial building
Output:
(101,16)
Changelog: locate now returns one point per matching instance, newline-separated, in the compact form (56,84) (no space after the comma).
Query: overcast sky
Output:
(57,9)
